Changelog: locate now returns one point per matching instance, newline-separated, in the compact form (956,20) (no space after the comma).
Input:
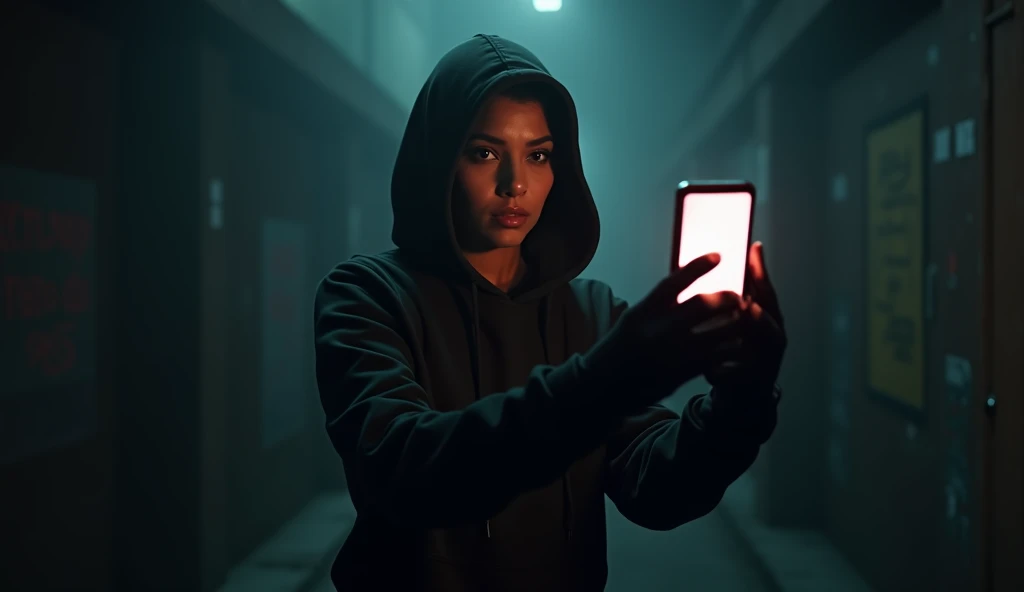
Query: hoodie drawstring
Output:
(567,508)
(475,350)
(474,353)
(567,505)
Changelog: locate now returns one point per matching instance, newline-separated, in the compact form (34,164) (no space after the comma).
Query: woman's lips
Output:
(511,221)
(511,217)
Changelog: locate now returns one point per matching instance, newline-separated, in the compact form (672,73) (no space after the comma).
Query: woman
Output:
(482,399)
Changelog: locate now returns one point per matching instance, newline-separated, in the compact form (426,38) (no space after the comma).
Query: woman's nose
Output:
(514,190)
(511,183)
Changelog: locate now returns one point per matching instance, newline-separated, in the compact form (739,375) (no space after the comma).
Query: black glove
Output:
(658,344)
(745,393)
(752,368)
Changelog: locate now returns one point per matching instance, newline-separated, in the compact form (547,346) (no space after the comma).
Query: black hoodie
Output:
(477,443)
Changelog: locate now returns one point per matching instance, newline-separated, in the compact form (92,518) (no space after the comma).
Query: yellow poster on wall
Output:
(896,259)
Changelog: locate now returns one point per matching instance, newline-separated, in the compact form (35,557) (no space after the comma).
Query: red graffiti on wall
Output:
(44,286)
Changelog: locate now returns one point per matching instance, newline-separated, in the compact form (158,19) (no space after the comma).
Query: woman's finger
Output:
(667,291)
(763,290)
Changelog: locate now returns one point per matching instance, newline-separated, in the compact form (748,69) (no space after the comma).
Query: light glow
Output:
(547,5)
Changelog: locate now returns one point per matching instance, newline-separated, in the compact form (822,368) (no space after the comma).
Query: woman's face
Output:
(503,175)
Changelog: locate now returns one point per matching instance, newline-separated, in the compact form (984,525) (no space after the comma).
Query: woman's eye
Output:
(541,156)
(483,153)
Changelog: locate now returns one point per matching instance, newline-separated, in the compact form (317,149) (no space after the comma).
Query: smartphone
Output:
(714,217)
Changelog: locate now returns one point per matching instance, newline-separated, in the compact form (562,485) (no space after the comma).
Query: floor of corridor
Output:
(702,556)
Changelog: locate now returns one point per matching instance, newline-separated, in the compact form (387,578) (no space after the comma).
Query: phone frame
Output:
(685,188)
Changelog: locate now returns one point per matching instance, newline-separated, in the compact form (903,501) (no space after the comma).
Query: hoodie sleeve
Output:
(664,470)
(420,467)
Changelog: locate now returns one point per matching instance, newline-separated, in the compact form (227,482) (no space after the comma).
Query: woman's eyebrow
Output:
(496,140)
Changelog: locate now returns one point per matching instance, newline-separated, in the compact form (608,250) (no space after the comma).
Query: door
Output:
(1003,412)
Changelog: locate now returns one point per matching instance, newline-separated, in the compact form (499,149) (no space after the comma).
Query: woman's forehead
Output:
(505,116)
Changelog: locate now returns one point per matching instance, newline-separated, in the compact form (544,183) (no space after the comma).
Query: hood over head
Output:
(565,238)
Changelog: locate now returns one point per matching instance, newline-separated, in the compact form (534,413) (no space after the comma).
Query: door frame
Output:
(1001,425)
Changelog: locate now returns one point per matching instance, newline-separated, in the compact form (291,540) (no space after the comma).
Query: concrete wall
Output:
(789,117)
(271,167)
(898,490)
(194,157)
(58,155)
(386,39)
(901,495)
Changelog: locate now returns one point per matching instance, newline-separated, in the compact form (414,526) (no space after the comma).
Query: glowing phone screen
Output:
(716,223)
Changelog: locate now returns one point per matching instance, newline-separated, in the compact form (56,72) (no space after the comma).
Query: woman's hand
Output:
(661,344)
(756,357)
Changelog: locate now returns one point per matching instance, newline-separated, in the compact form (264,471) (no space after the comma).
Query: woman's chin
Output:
(503,238)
